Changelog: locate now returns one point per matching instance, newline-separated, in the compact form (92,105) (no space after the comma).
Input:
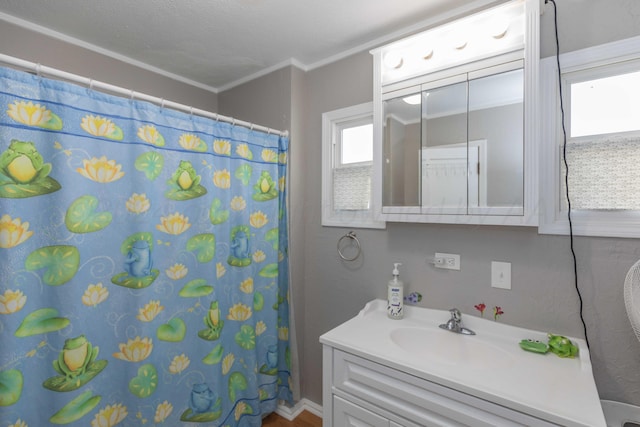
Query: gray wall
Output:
(584,23)
(35,47)
(266,100)
(328,291)
(543,295)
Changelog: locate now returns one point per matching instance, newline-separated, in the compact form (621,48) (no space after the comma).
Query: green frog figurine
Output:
(562,346)
(535,346)
(559,345)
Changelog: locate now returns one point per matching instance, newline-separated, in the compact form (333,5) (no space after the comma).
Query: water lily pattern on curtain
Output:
(143,259)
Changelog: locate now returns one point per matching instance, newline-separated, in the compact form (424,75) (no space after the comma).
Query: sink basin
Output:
(451,348)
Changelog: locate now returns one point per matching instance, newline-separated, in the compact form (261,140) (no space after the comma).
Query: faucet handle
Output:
(455,323)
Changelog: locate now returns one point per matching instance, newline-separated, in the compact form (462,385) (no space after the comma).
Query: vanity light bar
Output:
(485,34)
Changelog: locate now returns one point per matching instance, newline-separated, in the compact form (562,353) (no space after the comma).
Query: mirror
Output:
(401,130)
(496,116)
(444,149)
(456,148)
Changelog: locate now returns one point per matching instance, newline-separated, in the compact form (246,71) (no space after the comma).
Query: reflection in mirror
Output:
(496,115)
(444,149)
(401,128)
(457,149)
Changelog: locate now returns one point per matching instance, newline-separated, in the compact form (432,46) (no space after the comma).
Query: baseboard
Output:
(290,413)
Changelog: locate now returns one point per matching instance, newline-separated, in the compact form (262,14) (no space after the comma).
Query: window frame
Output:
(553,217)
(333,122)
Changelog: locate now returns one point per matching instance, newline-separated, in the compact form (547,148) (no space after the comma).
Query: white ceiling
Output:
(217,44)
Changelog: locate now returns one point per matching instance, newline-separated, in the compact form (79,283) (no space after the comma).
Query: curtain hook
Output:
(251,127)
(132,94)
(191,111)
(268,131)
(162,104)
(90,84)
(217,117)
(38,70)
(233,122)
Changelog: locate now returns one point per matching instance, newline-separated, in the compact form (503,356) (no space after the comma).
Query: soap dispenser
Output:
(395,290)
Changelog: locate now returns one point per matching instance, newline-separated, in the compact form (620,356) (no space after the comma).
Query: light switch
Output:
(501,275)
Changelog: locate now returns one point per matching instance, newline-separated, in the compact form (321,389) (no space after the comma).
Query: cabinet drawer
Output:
(346,414)
(418,400)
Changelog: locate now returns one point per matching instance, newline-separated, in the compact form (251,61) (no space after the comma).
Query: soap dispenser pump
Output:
(395,297)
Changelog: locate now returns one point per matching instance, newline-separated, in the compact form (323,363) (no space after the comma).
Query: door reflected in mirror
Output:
(444,149)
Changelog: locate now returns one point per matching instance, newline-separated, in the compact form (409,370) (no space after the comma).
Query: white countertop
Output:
(559,390)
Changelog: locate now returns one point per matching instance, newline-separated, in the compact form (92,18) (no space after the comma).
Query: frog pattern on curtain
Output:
(143,263)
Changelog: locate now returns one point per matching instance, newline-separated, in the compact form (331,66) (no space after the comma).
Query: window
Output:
(605,105)
(356,143)
(601,89)
(347,165)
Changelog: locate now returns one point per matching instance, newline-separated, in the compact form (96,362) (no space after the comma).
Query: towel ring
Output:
(352,236)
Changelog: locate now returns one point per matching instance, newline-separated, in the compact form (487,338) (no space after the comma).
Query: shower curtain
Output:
(143,263)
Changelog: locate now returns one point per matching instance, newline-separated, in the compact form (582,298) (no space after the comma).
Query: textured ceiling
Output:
(218,43)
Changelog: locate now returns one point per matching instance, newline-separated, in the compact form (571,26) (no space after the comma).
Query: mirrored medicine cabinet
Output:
(454,120)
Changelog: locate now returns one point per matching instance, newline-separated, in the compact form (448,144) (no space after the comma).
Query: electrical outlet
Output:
(501,275)
(447,261)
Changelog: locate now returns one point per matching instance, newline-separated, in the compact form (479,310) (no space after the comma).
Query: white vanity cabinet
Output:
(346,413)
(352,415)
(364,393)
(369,380)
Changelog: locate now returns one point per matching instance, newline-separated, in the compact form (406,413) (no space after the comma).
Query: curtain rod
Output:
(94,84)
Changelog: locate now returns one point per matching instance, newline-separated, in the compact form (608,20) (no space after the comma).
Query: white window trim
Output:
(553,220)
(330,122)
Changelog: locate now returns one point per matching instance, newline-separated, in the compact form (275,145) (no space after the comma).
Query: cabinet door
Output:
(401,149)
(444,148)
(349,415)
(496,116)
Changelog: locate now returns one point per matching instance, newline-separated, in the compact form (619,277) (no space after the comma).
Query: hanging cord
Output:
(566,175)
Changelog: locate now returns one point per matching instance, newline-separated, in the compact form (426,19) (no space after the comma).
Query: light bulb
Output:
(499,27)
(460,44)
(412,99)
(392,60)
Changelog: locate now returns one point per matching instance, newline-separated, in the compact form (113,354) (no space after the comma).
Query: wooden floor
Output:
(305,419)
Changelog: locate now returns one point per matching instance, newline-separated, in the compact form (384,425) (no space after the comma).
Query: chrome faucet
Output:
(455,323)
